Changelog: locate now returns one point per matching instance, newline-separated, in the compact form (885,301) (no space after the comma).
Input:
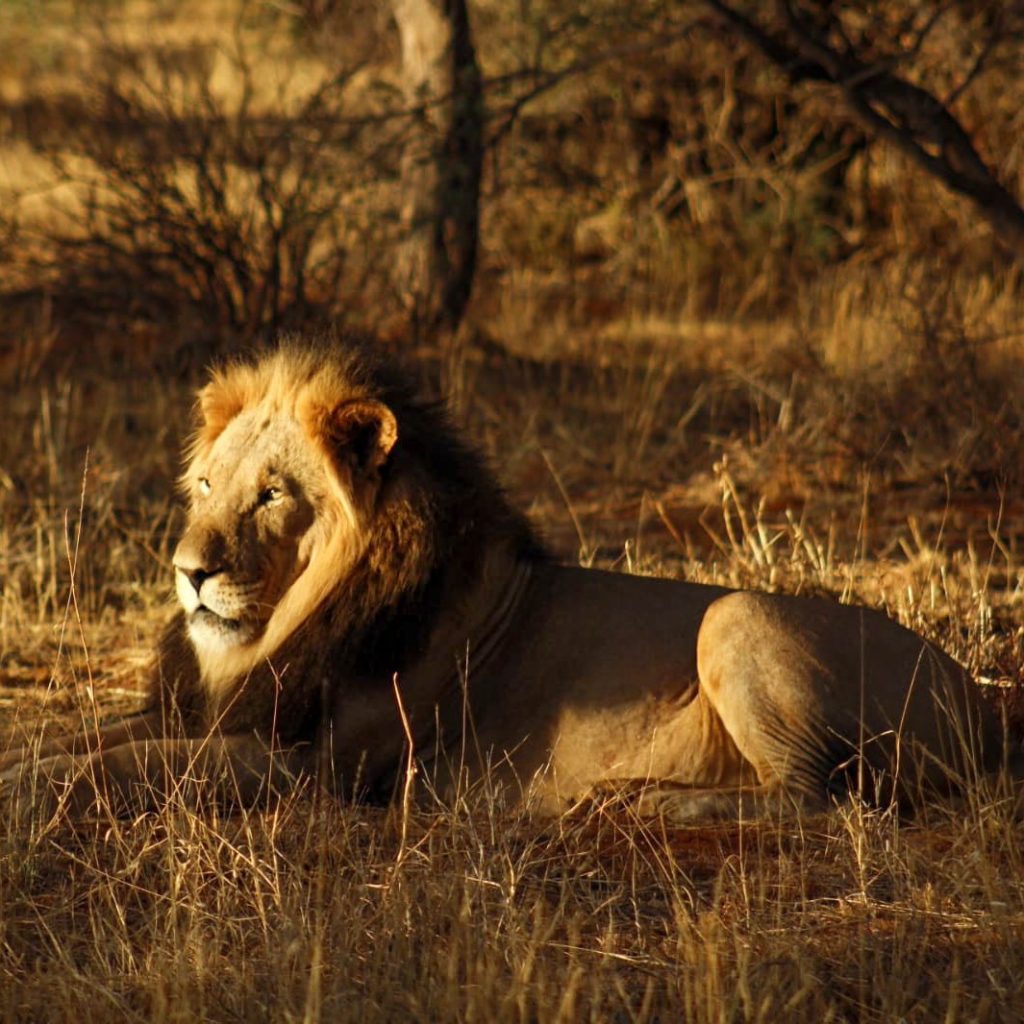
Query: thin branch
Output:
(908,116)
(979,63)
(926,30)
(545,81)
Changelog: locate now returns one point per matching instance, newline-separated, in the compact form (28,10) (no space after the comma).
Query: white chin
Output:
(208,631)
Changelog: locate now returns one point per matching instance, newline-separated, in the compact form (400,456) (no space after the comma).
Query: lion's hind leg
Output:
(764,670)
(681,804)
(684,804)
(829,700)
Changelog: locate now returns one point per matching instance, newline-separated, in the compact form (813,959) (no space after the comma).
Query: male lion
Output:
(352,578)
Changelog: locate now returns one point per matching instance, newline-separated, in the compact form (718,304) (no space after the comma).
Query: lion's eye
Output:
(269,495)
(204,486)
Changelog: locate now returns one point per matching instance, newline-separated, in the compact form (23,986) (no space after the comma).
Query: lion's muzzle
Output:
(218,608)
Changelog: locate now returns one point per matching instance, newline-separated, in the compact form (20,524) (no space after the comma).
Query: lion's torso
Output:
(605,678)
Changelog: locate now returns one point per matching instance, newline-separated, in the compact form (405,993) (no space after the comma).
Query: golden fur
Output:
(350,569)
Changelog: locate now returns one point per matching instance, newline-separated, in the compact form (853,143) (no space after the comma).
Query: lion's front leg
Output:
(45,742)
(141,776)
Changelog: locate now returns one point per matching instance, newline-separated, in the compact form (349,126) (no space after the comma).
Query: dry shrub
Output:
(209,204)
(681,172)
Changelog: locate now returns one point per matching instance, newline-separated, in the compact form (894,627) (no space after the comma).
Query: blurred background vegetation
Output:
(177,176)
(726,253)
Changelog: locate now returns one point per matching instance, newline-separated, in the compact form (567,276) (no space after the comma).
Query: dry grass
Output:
(315,911)
(694,364)
(308,912)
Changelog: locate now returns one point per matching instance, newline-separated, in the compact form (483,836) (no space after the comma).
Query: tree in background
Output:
(441,163)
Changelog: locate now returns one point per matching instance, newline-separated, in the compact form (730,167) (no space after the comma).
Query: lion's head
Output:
(323,498)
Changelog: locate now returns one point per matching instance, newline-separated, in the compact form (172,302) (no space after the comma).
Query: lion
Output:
(358,597)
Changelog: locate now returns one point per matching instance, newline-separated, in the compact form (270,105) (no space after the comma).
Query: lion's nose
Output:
(199,555)
(197,576)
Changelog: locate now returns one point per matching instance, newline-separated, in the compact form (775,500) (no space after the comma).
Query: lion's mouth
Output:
(207,617)
(206,626)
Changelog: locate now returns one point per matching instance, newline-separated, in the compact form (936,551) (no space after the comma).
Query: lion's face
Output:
(283,481)
(256,499)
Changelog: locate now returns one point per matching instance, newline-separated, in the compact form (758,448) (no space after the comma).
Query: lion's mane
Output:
(427,539)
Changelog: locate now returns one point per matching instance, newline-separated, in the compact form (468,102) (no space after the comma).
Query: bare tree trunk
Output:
(442,161)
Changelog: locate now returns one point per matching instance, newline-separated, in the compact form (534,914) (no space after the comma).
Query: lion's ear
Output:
(364,431)
(222,400)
